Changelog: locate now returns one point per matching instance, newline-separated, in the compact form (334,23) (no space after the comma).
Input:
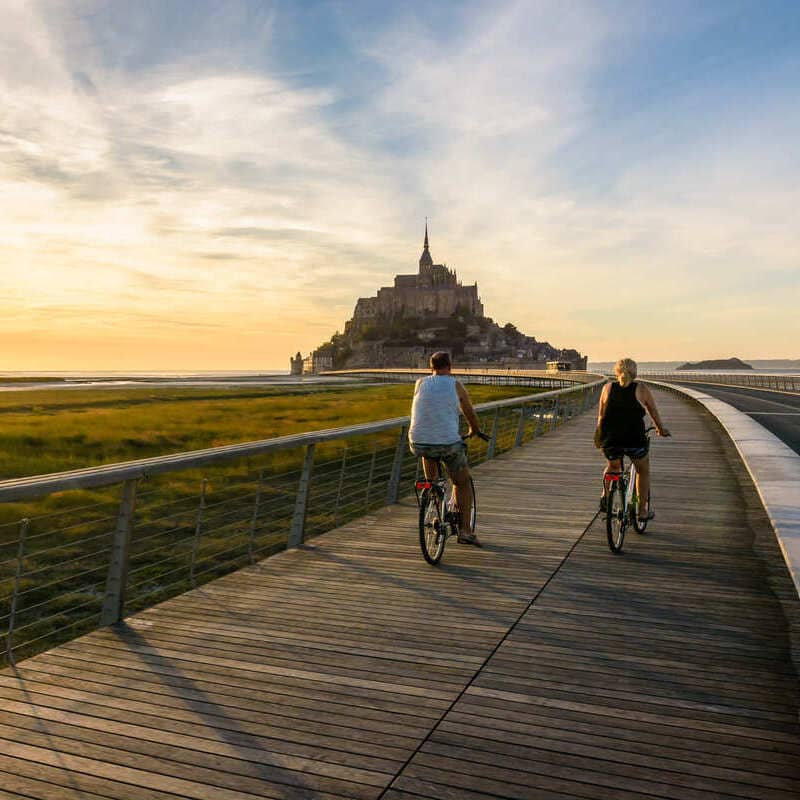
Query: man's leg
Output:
(430,467)
(463,492)
(643,484)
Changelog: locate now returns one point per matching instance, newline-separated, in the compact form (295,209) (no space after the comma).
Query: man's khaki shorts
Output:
(454,455)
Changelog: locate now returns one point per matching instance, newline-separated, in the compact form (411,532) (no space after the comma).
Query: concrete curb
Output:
(773,466)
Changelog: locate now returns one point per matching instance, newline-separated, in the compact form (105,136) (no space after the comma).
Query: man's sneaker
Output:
(469,538)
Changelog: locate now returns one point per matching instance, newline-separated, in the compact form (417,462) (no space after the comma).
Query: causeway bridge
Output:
(256,621)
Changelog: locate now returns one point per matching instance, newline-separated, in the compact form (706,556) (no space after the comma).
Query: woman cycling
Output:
(620,429)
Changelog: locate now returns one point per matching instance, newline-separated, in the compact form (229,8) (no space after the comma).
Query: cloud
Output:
(111,189)
(164,171)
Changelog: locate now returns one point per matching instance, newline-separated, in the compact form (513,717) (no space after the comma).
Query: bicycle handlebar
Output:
(653,428)
(479,434)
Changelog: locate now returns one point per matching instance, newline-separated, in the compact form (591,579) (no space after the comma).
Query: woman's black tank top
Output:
(623,423)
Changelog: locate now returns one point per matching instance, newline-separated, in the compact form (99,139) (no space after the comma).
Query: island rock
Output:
(422,313)
(716,363)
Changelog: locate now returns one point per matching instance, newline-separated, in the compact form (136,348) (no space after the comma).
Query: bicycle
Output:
(622,503)
(439,519)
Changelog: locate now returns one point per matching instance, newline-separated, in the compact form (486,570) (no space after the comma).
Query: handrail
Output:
(773,466)
(773,381)
(527,375)
(93,477)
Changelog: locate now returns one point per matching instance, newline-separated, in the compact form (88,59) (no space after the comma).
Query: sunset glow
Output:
(198,185)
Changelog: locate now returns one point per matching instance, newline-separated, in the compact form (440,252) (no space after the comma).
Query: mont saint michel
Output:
(424,312)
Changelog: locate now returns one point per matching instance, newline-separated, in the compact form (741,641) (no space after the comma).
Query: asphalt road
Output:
(778,412)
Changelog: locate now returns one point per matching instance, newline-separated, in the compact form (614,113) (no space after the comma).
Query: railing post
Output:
(520,427)
(538,422)
(198,527)
(556,412)
(340,487)
(493,440)
(371,473)
(114,600)
(23,532)
(297,532)
(393,490)
(254,518)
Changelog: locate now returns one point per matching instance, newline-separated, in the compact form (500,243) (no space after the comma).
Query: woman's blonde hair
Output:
(625,370)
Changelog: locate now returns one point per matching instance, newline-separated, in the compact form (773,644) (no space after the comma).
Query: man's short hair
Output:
(441,360)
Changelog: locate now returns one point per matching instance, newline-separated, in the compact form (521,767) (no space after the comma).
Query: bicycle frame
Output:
(441,485)
(631,497)
(628,478)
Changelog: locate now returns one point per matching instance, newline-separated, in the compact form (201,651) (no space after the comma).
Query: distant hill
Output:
(716,363)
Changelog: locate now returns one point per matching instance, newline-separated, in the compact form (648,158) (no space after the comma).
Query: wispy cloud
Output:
(171,177)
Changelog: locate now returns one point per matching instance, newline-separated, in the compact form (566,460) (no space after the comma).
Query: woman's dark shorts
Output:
(454,455)
(614,453)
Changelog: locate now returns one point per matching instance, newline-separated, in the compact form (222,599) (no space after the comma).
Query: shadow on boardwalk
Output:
(349,668)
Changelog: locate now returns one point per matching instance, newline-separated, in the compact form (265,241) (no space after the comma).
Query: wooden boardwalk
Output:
(539,667)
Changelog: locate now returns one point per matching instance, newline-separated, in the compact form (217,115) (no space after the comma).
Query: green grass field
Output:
(54,430)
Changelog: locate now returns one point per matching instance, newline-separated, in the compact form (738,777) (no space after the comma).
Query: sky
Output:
(187,184)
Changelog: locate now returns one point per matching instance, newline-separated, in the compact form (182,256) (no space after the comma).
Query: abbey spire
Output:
(425,260)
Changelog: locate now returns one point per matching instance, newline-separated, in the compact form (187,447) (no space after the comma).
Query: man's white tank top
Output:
(434,411)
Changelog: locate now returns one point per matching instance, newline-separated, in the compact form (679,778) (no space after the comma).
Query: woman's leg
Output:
(643,484)
(612,465)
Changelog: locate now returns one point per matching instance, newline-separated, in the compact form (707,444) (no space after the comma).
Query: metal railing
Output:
(84,548)
(781,383)
(540,379)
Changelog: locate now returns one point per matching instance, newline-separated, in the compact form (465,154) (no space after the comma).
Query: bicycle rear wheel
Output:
(616,521)
(639,527)
(432,528)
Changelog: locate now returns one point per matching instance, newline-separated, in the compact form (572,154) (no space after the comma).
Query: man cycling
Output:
(434,433)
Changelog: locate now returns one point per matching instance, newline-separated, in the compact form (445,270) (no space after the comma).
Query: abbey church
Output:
(434,291)
(421,313)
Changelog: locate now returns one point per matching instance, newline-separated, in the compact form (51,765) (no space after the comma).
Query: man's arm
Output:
(467,410)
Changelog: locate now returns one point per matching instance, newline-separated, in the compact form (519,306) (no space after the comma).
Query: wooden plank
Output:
(663,671)
(349,668)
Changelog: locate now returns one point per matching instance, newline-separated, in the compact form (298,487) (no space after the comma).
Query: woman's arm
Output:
(645,397)
(601,406)
(601,412)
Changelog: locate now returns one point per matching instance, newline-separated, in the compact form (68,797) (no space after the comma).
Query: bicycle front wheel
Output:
(616,521)
(432,528)
(473,515)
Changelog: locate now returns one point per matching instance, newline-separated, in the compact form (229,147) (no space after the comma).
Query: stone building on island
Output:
(421,313)
(434,291)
